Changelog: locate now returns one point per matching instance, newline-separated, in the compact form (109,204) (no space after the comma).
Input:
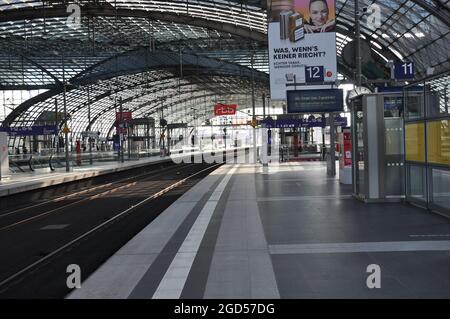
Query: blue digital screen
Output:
(315,101)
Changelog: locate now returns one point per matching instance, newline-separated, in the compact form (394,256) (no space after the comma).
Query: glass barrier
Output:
(415,142)
(441,187)
(438,134)
(414,105)
(416,182)
(429,116)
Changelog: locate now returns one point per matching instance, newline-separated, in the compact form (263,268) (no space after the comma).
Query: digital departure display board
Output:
(315,101)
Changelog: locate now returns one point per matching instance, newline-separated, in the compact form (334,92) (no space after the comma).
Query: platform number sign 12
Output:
(314,74)
(404,70)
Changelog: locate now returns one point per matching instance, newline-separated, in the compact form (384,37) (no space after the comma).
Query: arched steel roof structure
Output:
(105,55)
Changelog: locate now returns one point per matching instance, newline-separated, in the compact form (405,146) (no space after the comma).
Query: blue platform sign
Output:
(398,89)
(404,70)
(116,142)
(315,101)
(30,130)
(295,123)
(314,74)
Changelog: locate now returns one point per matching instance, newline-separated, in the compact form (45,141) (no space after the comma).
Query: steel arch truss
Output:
(414,30)
(145,82)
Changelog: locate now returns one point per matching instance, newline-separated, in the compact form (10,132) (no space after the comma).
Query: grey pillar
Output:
(255,155)
(331,164)
(358,45)
(121,134)
(66,133)
(89,127)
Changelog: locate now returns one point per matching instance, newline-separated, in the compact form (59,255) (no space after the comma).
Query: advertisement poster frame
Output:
(302,45)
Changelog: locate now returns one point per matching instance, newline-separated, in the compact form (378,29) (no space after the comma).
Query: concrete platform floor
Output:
(291,232)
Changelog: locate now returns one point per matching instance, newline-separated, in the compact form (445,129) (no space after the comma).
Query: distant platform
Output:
(23,182)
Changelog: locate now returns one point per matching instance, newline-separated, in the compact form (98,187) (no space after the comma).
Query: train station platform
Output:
(40,178)
(287,232)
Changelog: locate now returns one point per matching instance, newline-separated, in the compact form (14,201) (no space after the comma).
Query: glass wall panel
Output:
(441,187)
(429,182)
(437,96)
(416,182)
(415,142)
(414,106)
(438,134)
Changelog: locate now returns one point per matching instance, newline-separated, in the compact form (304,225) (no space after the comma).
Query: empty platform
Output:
(23,182)
(288,232)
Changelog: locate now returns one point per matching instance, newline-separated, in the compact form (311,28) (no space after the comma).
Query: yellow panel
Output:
(439,142)
(415,142)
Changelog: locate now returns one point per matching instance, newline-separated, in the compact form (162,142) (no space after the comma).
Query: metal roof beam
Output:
(442,13)
(55,12)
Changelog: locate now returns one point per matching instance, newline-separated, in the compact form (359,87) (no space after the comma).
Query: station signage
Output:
(225,109)
(296,123)
(172,126)
(124,116)
(302,44)
(404,70)
(90,134)
(30,130)
(315,101)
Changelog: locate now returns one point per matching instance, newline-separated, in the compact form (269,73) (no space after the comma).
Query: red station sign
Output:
(225,109)
(124,116)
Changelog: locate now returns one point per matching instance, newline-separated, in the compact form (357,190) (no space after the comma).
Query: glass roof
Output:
(40,50)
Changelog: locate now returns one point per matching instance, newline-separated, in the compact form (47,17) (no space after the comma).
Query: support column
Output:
(66,131)
(154,136)
(121,134)
(89,127)
(331,163)
(255,154)
(358,45)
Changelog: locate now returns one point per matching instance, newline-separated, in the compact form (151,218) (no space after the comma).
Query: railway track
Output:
(28,213)
(85,228)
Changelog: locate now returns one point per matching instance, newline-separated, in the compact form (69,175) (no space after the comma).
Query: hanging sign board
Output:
(90,134)
(176,125)
(30,130)
(225,109)
(124,116)
(404,70)
(315,101)
(302,44)
(295,123)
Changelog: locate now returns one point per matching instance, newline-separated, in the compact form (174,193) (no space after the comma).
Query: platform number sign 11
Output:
(404,70)
(314,74)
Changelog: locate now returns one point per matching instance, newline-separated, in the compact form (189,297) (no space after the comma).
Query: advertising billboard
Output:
(302,44)
(315,101)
